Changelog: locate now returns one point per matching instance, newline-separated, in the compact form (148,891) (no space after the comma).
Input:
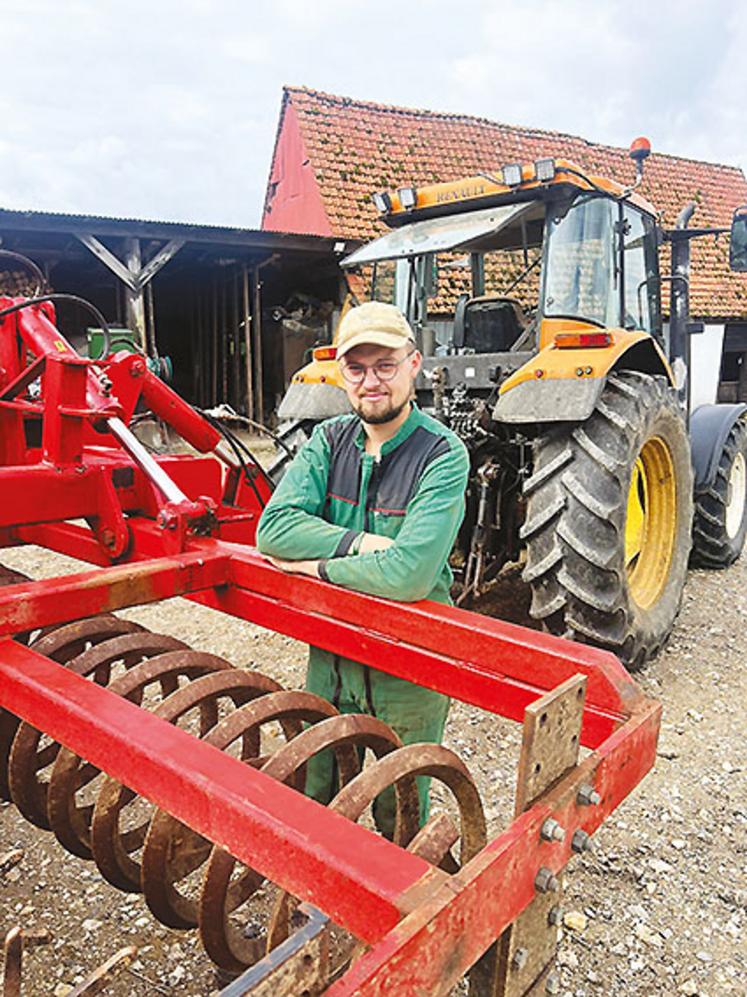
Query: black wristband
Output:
(321,567)
(347,541)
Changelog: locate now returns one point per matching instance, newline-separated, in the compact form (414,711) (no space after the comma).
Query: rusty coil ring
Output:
(26,760)
(112,848)
(432,842)
(69,820)
(172,852)
(61,644)
(344,734)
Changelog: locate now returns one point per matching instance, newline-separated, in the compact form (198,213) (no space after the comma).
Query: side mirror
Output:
(460,315)
(738,240)
(430,275)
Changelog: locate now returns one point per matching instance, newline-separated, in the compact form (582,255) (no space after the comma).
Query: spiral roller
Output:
(187,881)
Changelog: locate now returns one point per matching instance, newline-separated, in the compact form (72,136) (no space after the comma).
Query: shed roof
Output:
(208,235)
(357,147)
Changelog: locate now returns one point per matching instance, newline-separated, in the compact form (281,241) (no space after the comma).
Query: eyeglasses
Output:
(384,370)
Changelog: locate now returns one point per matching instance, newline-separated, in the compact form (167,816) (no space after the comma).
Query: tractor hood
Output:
(472,231)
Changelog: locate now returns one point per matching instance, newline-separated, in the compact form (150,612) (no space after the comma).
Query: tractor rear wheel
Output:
(721,507)
(608,521)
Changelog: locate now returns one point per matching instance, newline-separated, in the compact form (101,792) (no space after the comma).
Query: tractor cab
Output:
(556,261)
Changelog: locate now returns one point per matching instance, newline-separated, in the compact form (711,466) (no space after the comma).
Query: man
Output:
(373,502)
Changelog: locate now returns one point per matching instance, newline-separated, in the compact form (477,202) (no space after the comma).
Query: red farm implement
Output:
(353,913)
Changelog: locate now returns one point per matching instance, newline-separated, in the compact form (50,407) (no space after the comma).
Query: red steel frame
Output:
(425,928)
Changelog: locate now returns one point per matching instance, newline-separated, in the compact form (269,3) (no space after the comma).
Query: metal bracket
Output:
(299,965)
(549,751)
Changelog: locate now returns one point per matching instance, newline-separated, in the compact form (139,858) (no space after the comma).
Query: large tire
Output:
(720,521)
(608,520)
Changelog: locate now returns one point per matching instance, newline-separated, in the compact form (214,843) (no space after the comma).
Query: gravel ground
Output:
(659,907)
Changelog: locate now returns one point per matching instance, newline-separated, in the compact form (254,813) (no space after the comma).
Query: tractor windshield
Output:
(580,276)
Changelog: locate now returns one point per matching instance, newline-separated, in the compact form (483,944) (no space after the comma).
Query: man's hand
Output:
(370,542)
(310,568)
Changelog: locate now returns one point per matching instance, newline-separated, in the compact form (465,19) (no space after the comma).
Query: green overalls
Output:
(413,492)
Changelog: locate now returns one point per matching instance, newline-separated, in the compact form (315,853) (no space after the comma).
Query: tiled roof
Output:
(357,147)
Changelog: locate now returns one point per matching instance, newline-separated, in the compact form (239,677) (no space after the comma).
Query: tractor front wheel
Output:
(609,517)
(721,506)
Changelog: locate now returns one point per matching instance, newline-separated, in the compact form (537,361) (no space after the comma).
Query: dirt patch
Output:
(660,906)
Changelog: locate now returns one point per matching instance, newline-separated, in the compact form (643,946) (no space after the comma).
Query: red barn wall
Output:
(294,203)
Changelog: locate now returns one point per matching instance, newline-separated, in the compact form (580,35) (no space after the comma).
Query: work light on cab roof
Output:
(408,197)
(512,175)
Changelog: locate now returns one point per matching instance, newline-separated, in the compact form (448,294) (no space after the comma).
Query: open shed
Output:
(234,309)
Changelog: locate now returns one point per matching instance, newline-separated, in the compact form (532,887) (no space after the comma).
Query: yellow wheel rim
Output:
(650,522)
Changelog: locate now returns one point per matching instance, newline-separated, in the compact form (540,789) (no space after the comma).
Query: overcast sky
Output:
(168,110)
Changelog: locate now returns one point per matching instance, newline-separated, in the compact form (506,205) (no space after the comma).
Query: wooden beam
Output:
(108,258)
(162,257)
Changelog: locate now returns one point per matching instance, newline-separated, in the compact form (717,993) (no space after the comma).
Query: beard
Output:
(378,418)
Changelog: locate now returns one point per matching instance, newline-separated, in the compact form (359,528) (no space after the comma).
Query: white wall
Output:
(705,365)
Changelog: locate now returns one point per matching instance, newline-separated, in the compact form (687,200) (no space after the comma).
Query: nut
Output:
(552,984)
(520,958)
(551,830)
(546,881)
(581,841)
(555,916)
(587,796)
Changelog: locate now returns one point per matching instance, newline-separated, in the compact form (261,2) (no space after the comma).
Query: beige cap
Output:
(373,323)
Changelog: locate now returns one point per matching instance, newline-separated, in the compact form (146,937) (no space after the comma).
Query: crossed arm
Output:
(295,537)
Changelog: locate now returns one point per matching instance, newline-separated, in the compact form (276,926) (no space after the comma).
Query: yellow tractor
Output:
(556,370)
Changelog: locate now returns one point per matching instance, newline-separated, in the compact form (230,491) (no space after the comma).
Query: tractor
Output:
(589,468)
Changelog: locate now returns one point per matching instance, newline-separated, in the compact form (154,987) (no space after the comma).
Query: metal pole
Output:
(151,321)
(134,303)
(248,344)
(235,343)
(145,462)
(214,348)
(224,341)
(257,338)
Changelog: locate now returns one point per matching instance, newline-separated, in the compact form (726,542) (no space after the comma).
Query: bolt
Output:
(519,960)
(579,371)
(108,538)
(587,796)
(555,916)
(552,831)
(137,369)
(539,372)
(552,984)
(581,841)
(545,881)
